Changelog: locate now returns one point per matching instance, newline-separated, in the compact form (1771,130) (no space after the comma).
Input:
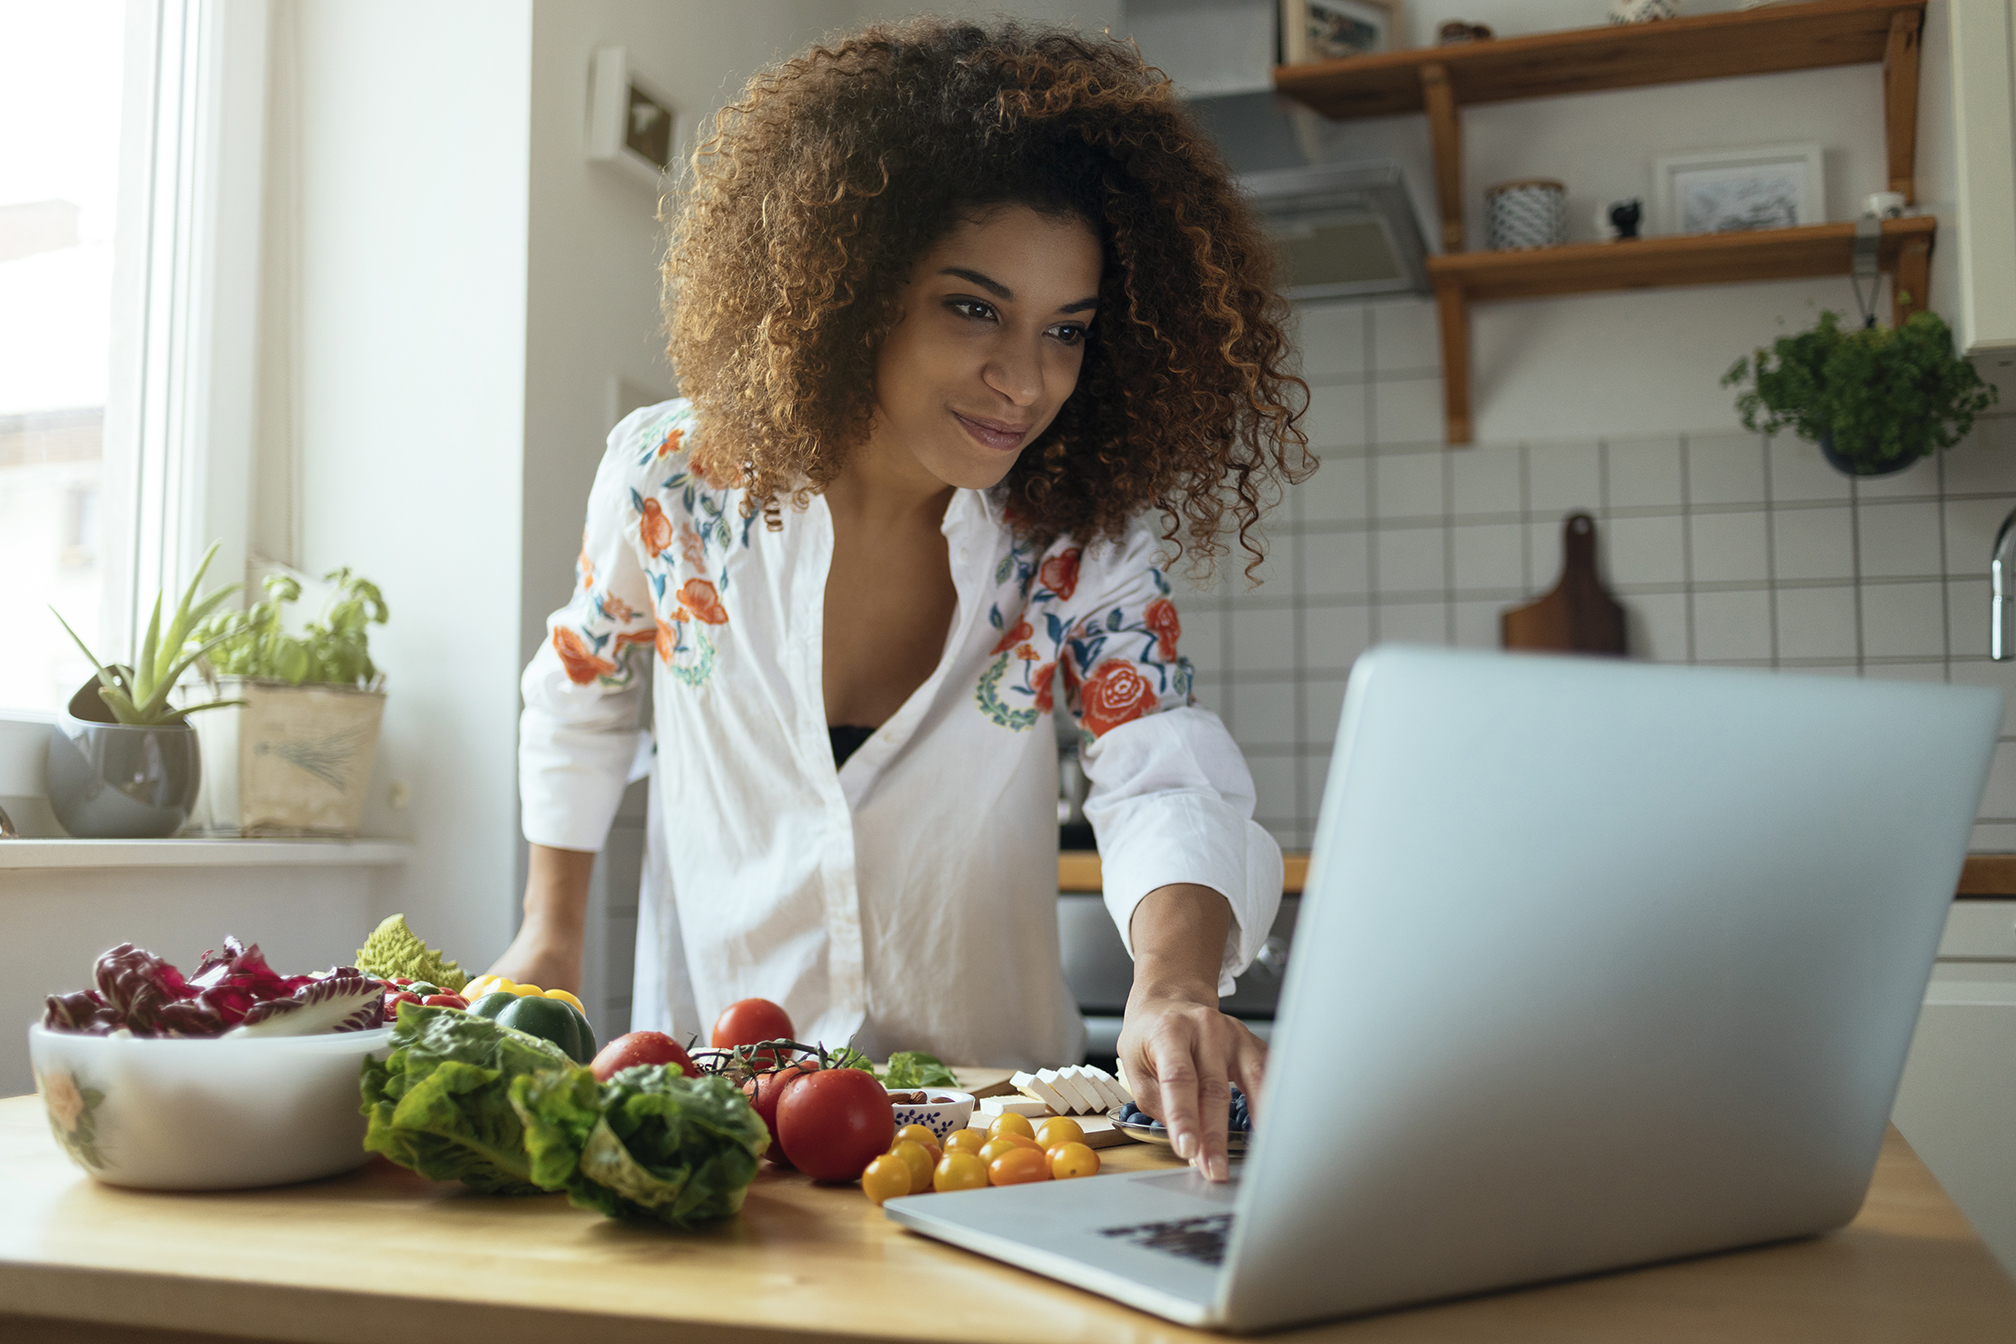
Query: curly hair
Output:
(800,220)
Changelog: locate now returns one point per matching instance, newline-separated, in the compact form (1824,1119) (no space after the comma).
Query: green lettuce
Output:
(912,1069)
(440,1103)
(395,950)
(653,1144)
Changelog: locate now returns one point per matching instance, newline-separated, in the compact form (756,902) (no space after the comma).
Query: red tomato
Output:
(445,1001)
(833,1123)
(751,1022)
(640,1047)
(765,1090)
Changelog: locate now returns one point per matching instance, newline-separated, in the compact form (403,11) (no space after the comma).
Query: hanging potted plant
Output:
(123,763)
(295,759)
(1876,399)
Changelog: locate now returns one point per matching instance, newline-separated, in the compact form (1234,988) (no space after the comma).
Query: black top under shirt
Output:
(847,739)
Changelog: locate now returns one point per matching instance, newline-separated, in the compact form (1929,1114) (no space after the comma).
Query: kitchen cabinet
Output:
(1984,123)
(1957,1105)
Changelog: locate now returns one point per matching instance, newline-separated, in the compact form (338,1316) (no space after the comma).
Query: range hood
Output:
(1340,230)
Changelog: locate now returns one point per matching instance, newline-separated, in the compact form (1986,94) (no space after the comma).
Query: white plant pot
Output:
(293,760)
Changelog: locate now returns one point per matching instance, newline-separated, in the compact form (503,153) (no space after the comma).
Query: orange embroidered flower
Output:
(630,637)
(616,609)
(690,547)
(1114,694)
(582,666)
(1016,635)
(668,640)
(670,443)
(1039,681)
(1027,653)
(1060,573)
(655,531)
(1161,619)
(699,597)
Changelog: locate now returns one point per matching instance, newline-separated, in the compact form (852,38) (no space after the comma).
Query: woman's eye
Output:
(972,308)
(1071,333)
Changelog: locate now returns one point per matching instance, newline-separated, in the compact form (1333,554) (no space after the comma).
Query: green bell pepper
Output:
(553,1020)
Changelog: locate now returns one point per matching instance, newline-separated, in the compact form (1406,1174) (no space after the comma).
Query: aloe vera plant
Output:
(138,696)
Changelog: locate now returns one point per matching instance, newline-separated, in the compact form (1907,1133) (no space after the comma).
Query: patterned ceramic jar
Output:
(1532,212)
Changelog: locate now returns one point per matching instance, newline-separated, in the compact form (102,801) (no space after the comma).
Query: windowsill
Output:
(203,853)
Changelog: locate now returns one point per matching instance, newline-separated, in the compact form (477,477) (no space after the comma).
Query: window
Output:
(60,105)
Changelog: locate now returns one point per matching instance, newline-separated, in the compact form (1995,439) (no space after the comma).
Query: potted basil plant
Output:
(295,758)
(1876,399)
(123,762)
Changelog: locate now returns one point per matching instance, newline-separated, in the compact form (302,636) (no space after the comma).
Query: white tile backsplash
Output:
(1899,540)
(1724,547)
(1408,485)
(1903,620)
(1336,564)
(1814,543)
(1729,548)
(1643,473)
(1564,477)
(1725,469)
(1410,559)
(1407,410)
(1643,550)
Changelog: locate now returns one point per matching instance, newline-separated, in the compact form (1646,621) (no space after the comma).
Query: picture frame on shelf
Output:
(1729,190)
(1329,30)
(632,122)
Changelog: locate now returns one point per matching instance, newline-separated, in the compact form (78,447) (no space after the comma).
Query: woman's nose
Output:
(1016,373)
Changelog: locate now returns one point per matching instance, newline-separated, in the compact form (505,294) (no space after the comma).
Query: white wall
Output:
(409,161)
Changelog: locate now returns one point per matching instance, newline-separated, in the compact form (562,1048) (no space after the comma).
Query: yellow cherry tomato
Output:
(922,1135)
(1011,1123)
(1018,1167)
(966,1141)
(1059,1129)
(919,1160)
(993,1148)
(1068,1160)
(887,1177)
(958,1171)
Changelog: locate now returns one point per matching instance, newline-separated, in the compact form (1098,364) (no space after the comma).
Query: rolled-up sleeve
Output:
(584,688)
(1171,800)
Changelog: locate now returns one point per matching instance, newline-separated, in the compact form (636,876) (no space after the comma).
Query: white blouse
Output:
(907,901)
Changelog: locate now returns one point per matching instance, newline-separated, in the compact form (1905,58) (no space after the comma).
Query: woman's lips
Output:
(993,433)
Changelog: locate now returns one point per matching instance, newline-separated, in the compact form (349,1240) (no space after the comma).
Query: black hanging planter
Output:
(1848,466)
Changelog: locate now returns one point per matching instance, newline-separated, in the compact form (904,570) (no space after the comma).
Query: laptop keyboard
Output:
(1202,1238)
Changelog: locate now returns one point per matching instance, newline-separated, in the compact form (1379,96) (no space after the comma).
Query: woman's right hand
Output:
(547,950)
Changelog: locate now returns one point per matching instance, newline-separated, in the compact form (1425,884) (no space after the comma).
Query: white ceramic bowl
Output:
(944,1112)
(214,1114)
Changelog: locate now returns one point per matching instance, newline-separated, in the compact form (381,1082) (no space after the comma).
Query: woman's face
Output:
(992,334)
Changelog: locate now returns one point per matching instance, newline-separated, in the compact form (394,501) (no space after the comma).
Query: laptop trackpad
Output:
(1190,1183)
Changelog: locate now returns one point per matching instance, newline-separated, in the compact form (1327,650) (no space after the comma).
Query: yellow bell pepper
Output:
(497,984)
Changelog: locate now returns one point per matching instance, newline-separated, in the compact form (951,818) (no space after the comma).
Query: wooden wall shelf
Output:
(1809,36)
(1441,81)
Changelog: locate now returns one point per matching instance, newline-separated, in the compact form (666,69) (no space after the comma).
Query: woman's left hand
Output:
(1178,1053)
(1178,1056)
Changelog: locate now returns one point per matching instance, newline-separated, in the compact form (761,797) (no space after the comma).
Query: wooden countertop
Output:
(383,1254)
(1985,875)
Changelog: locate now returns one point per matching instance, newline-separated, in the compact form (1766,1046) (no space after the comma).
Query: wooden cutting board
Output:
(1579,615)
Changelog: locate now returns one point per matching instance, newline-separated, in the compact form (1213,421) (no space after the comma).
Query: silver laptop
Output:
(1598,964)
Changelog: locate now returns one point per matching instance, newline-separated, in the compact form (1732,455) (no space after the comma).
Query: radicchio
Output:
(139,992)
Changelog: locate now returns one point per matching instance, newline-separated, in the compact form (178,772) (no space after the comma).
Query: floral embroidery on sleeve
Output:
(1117,664)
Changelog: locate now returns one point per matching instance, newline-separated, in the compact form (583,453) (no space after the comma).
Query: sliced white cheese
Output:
(1084,1099)
(1057,1083)
(1109,1096)
(1022,1106)
(1117,1086)
(1044,1087)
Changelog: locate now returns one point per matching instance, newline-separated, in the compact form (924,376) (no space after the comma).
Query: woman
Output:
(976,336)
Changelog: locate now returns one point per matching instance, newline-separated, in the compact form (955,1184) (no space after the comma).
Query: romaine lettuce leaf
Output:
(440,1103)
(913,1069)
(663,1147)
